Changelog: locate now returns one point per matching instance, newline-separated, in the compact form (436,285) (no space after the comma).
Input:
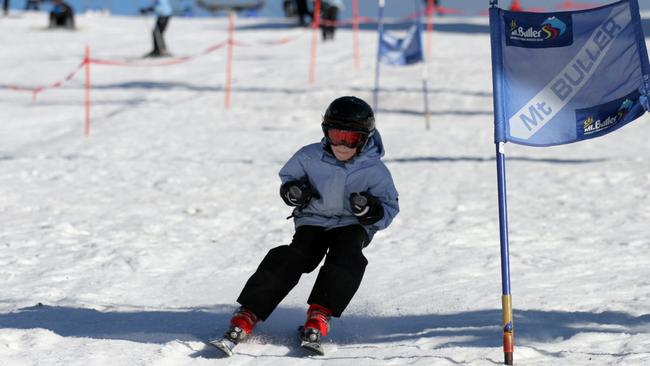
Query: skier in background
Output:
(5,7)
(436,3)
(188,12)
(32,4)
(303,12)
(515,5)
(61,15)
(330,10)
(163,10)
(342,194)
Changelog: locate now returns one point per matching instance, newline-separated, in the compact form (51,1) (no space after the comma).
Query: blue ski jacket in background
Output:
(163,8)
(336,3)
(335,181)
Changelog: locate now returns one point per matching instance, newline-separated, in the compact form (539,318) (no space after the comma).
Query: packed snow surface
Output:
(130,246)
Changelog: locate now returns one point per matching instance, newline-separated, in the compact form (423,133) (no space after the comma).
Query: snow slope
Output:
(130,246)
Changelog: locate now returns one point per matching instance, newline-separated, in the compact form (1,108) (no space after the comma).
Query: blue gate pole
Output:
(499,128)
(380,31)
(506,298)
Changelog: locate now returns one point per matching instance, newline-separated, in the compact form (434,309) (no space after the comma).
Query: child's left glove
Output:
(366,208)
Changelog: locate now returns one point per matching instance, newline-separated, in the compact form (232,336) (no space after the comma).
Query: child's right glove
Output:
(366,208)
(297,193)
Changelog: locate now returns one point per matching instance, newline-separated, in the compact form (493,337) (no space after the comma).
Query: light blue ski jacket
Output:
(337,3)
(163,8)
(335,181)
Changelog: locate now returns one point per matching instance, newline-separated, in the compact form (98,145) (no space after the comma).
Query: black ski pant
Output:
(303,11)
(64,19)
(32,4)
(330,15)
(159,46)
(337,282)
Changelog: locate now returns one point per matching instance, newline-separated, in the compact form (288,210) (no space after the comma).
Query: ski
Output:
(224,345)
(310,341)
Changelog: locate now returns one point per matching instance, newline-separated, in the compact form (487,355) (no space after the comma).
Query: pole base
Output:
(508,358)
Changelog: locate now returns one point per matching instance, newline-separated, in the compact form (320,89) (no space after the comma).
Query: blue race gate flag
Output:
(567,76)
(398,51)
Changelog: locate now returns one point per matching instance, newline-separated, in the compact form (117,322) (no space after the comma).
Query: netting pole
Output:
(87,67)
(314,42)
(355,26)
(380,32)
(231,41)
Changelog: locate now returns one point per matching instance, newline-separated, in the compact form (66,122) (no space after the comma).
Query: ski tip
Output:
(224,346)
(315,349)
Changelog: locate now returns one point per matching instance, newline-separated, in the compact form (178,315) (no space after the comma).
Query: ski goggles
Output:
(348,138)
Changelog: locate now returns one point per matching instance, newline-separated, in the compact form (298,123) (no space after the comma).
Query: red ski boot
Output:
(317,326)
(241,326)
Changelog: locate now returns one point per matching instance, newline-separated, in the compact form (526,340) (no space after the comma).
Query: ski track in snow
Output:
(129,247)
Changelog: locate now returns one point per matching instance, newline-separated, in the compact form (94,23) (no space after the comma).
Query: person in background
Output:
(32,5)
(303,12)
(330,13)
(5,7)
(515,5)
(163,10)
(61,15)
(436,3)
(188,12)
(436,10)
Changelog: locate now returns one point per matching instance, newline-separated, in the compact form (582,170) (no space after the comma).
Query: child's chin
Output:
(344,158)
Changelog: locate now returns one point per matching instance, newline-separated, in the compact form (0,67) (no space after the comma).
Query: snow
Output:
(129,247)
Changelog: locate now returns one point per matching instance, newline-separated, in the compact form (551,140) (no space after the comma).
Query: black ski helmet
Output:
(349,113)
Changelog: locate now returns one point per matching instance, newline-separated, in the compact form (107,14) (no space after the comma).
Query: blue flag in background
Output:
(399,51)
(567,76)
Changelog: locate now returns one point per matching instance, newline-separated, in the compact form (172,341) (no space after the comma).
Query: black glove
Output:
(298,193)
(145,10)
(366,208)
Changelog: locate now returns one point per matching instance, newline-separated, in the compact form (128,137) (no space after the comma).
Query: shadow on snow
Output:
(394,26)
(466,329)
(459,27)
(479,159)
(176,85)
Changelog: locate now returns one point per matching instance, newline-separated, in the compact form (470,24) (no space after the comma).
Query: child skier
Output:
(342,194)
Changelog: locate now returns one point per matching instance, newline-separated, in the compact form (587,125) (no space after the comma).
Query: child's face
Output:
(343,153)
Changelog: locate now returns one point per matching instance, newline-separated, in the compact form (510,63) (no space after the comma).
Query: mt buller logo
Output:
(553,27)
(550,29)
(537,32)
(601,119)
(592,125)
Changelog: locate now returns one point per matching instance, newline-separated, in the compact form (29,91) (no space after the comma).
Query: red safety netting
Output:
(229,43)
(38,89)
(184,59)
(35,90)
(409,17)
